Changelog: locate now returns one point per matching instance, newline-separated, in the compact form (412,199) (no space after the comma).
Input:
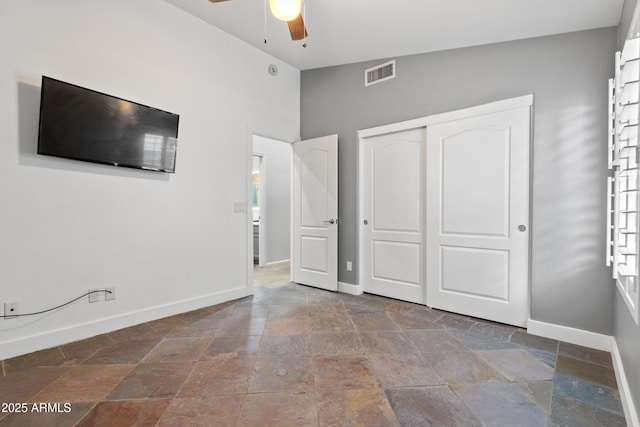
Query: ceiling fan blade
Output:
(297,29)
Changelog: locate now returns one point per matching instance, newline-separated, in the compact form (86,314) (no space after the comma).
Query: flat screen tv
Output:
(82,124)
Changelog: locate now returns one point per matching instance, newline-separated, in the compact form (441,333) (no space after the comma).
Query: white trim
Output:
(630,412)
(570,335)
(492,107)
(41,341)
(278,262)
(349,288)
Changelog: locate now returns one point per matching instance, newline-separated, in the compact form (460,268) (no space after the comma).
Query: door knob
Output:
(365,222)
(329,221)
(522,228)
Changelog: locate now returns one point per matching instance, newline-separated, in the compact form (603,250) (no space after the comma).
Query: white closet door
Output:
(478,216)
(391,215)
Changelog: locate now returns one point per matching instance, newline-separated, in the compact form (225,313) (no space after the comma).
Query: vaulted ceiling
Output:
(342,31)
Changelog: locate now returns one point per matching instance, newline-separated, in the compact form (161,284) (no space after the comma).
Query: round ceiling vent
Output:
(273,70)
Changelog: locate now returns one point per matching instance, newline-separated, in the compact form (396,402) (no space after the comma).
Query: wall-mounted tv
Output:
(82,124)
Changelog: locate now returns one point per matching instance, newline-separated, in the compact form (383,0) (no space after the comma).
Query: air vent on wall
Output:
(380,73)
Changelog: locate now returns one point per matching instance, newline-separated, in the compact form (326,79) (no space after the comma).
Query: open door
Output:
(315,212)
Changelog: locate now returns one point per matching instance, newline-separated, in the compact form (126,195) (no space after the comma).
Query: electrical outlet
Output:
(10,310)
(94,295)
(110,293)
(349,266)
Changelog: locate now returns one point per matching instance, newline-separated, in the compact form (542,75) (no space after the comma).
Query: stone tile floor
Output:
(298,356)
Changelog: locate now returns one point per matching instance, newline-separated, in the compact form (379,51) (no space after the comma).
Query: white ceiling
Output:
(347,31)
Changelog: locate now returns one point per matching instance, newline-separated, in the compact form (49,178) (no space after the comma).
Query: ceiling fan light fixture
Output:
(285,10)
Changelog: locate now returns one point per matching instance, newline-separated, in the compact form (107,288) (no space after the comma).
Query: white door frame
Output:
(503,105)
(250,133)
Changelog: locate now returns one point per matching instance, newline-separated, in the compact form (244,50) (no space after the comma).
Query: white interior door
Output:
(315,212)
(391,215)
(478,216)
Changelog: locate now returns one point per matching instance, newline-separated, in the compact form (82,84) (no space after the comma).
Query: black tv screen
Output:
(82,124)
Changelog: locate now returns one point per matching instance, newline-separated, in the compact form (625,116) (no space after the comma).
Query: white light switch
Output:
(349,266)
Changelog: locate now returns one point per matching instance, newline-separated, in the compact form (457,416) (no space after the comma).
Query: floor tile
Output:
(523,339)
(165,325)
(462,367)
(284,345)
(517,365)
(335,344)
(207,327)
(76,352)
(352,360)
(219,411)
(587,392)
(343,372)
(404,370)
(428,341)
(454,321)
(429,406)
(211,378)
(386,342)
(278,311)
(282,374)
(373,322)
(567,412)
(84,384)
(585,354)
(326,308)
(232,347)
(586,371)
(141,331)
(242,327)
(363,305)
(125,413)
(248,312)
(279,410)
(48,419)
(476,339)
(332,322)
(399,307)
(361,407)
(49,357)
(538,392)
(192,316)
(501,404)
(153,381)
(23,385)
(178,350)
(123,352)
(287,326)
(417,319)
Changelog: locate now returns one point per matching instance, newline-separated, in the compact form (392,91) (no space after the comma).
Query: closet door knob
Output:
(522,228)
(365,222)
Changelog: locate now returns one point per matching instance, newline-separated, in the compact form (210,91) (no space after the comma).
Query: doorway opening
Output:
(271,211)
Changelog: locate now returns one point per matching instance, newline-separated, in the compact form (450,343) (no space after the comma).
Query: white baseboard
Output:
(277,262)
(52,338)
(570,335)
(630,412)
(349,288)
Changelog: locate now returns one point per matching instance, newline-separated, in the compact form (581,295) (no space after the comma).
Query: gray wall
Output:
(626,332)
(277,154)
(568,75)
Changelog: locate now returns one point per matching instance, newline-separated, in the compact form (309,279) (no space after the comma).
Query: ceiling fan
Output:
(289,11)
